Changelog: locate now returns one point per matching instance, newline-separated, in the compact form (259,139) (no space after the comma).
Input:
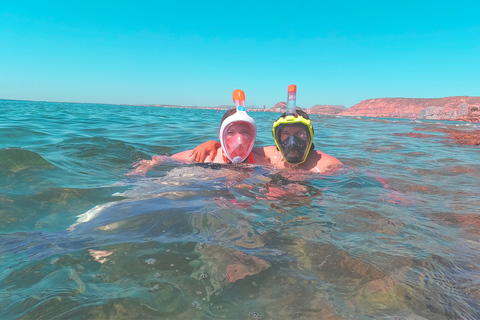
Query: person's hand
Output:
(200,153)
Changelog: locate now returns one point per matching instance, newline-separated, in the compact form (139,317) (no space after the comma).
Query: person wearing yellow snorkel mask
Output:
(293,135)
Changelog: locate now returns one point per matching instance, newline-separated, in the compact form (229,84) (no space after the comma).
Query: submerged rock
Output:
(17,159)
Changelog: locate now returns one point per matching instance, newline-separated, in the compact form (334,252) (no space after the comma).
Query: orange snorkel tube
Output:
(239,99)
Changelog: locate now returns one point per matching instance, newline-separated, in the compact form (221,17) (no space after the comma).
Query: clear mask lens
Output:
(237,144)
(238,141)
(294,149)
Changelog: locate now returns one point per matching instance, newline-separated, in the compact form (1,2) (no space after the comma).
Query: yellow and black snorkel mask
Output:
(293,134)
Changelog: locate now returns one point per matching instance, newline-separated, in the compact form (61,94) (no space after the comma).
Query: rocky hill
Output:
(446,108)
(280,107)
(326,109)
(317,109)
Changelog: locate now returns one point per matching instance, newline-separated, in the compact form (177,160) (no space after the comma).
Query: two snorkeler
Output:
(292,133)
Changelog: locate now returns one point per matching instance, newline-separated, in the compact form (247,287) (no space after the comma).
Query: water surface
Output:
(393,235)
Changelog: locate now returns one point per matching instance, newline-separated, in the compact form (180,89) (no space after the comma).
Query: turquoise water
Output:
(393,235)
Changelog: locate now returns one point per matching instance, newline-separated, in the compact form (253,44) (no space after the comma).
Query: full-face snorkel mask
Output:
(293,134)
(237,132)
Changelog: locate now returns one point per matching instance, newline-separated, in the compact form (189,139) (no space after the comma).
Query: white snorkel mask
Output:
(237,132)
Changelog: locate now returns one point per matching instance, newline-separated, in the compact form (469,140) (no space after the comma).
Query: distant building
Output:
(452,114)
(464,109)
(434,112)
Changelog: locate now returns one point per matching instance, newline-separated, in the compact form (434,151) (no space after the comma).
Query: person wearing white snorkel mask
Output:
(294,149)
(237,138)
(237,135)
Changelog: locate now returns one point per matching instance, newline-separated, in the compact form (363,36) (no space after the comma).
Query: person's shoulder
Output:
(328,158)
(321,162)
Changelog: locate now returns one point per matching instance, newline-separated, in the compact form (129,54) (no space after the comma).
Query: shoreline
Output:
(472,118)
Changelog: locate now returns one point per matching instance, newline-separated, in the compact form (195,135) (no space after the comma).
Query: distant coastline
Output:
(455,108)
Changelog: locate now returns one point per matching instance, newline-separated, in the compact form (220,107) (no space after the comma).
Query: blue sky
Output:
(195,53)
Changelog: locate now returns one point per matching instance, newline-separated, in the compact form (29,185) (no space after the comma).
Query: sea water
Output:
(392,235)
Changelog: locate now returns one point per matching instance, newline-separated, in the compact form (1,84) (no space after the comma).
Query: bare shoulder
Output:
(319,161)
(329,159)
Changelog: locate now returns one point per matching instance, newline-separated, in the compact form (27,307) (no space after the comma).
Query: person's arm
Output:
(143,166)
(202,151)
(183,156)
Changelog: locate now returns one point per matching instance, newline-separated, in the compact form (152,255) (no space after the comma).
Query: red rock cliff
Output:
(407,107)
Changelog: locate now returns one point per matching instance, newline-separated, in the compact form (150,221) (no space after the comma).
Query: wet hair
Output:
(227,114)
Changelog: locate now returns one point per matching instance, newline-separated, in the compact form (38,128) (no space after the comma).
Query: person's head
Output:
(237,135)
(293,136)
